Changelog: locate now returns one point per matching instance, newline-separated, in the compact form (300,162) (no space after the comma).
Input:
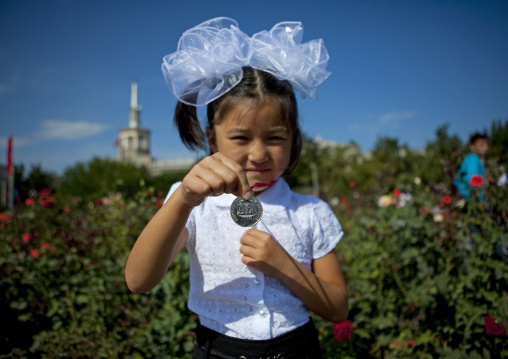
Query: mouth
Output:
(257,170)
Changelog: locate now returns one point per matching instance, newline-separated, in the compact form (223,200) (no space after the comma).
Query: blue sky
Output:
(399,69)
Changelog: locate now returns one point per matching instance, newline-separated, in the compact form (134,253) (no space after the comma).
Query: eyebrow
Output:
(277,129)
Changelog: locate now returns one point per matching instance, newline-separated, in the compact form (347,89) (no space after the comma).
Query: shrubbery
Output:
(63,288)
(424,277)
(421,285)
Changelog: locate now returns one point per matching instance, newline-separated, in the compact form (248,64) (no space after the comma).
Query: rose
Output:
(343,331)
(397,192)
(48,202)
(35,253)
(45,192)
(492,327)
(476,180)
(27,237)
(385,201)
(29,202)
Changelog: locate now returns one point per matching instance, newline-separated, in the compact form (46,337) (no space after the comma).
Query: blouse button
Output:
(256,281)
(263,313)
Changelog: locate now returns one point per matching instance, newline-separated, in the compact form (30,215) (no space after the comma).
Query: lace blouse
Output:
(237,300)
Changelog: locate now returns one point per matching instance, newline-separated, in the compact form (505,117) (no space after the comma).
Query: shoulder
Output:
(314,212)
(308,202)
(472,158)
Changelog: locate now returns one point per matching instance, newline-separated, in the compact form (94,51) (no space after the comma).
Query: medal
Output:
(248,213)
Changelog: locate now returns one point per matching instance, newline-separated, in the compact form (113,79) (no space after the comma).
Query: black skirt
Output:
(301,343)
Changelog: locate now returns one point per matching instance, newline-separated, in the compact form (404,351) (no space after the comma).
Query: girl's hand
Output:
(262,252)
(214,175)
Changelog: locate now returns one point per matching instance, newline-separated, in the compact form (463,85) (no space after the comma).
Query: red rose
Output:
(27,237)
(447,199)
(35,253)
(45,245)
(29,202)
(410,343)
(494,328)
(159,203)
(45,192)
(48,202)
(397,192)
(476,180)
(352,184)
(343,331)
(4,217)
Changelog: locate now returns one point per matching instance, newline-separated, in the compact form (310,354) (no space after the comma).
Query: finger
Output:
(242,188)
(217,174)
(248,251)
(205,181)
(254,238)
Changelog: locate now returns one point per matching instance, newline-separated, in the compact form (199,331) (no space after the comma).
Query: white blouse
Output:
(237,300)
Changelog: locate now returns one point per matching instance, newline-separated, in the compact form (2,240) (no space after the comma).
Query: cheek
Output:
(234,152)
(282,156)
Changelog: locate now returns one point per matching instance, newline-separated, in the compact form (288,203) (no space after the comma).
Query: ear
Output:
(212,142)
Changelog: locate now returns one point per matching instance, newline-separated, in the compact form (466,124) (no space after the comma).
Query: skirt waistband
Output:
(294,344)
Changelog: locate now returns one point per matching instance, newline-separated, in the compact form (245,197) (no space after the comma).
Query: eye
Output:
(239,138)
(277,138)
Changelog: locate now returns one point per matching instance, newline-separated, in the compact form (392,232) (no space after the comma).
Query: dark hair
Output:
(255,85)
(477,136)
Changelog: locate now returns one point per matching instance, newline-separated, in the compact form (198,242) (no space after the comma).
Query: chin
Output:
(259,189)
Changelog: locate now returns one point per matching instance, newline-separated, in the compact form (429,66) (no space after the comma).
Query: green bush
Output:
(63,288)
(422,278)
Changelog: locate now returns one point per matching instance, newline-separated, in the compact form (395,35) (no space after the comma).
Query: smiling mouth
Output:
(259,170)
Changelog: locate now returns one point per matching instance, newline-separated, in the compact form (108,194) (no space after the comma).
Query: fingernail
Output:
(247,195)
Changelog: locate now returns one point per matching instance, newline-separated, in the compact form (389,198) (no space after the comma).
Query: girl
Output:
(253,289)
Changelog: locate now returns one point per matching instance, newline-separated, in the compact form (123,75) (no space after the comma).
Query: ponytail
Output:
(186,120)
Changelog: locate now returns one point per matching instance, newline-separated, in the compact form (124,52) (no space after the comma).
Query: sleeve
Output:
(327,230)
(190,222)
(470,169)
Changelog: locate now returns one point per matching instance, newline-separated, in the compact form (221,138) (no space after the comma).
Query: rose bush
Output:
(418,287)
(63,288)
(421,288)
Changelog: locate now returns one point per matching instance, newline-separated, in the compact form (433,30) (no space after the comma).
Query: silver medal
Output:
(246,213)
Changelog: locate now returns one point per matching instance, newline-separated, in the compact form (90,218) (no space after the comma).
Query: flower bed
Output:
(418,287)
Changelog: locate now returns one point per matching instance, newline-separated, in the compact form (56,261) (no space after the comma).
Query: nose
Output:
(258,151)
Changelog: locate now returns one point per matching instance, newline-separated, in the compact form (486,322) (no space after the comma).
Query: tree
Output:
(498,141)
(31,183)
(442,159)
(100,177)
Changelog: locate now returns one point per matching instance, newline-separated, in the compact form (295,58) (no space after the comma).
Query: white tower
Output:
(134,141)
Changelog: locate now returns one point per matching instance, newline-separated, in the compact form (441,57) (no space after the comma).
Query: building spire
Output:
(135,108)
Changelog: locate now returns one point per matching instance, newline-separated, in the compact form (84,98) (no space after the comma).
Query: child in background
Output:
(472,168)
(253,289)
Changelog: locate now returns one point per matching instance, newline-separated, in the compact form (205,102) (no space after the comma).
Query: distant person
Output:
(472,169)
(252,288)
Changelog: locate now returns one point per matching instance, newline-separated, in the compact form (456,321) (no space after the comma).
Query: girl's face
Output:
(257,139)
